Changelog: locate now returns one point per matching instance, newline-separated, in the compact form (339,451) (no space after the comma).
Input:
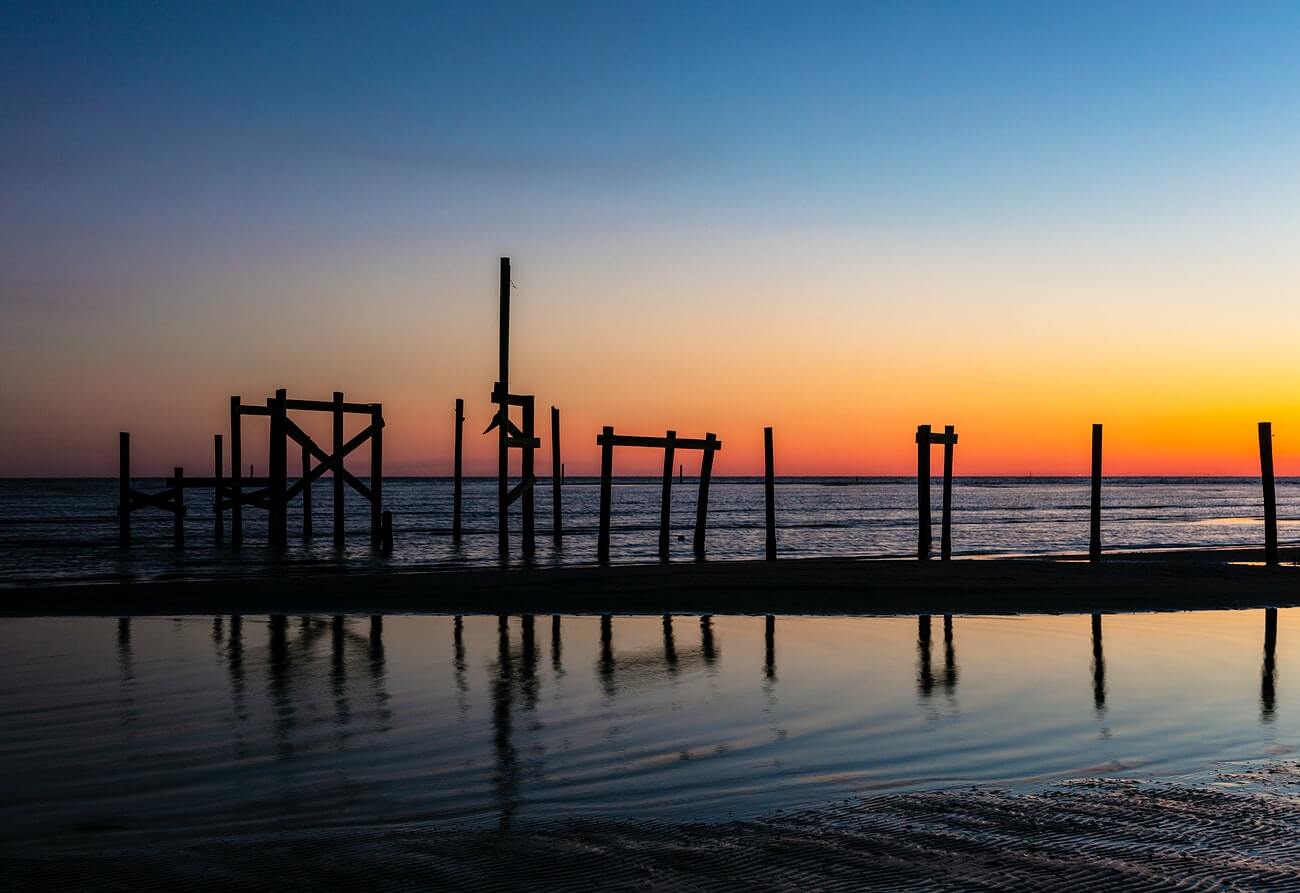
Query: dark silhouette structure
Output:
(670,443)
(925,438)
(1098,667)
(1268,673)
(557,480)
(1270,492)
(456,485)
(1094,521)
(769,493)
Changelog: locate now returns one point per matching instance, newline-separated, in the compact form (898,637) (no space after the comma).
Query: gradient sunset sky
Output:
(842,220)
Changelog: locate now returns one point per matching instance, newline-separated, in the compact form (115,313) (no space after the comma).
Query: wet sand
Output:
(1085,835)
(1137,582)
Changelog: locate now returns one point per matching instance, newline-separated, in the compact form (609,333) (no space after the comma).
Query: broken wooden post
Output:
(702,506)
(456,491)
(666,497)
(376,472)
(923,491)
(306,494)
(1094,522)
(336,475)
(124,489)
(279,472)
(218,525)
(503,410)
(236,475)
(606,492)
(945,544)
(386,532)
(557,479)
(527,472)
(1270,493)
(178,507)
(769,488)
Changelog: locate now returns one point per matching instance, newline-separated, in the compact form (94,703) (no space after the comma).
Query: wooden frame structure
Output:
(925,438)
(670,443)
(172,498)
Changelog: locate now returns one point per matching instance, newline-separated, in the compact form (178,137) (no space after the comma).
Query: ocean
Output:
(65,530)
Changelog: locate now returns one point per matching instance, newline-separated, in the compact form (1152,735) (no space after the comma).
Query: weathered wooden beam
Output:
(712,445)
(503,434)
(456,486)
(666,495)
(528,471)
(511,399)
(923,492)
(328,406)
(124,489)
(557,479)
(1094,519)
(606,441)
(1270,492)
(525,443)
(681,443)
(524,486)
(376,473)
(945,542)
(947,437)
(218,485)
(279,471)
(236,475)
(256,410)
(769,493)
(337,482)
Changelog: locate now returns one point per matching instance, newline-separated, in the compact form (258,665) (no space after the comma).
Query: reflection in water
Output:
(506,778)
(670,646)
(529,663)
(769,648)
(339,674)
(605,666)
(1098,668)
(949,657)
(1268,675)
(556,651)
(280,685)
(707,645)
(924,673)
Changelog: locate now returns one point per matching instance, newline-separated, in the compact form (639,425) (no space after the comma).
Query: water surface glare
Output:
(209,726)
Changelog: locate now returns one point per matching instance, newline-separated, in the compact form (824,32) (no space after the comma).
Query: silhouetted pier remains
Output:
(925,438)
(457,488)
(1270,492)
(1094,517)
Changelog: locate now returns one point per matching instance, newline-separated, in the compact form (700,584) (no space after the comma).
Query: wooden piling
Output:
(306,495)
(336,475)
(124,489)
(769,492)
(702,506)
(528,472)
(1094,521)
(923,492)
(456,486)
(945,545)
(606,493)
(279,472)
(666,497)
(386,532)
(376,473)
(1270,493)
(236,476)
(178,518)
(218,524)
(503,429)
(557,479)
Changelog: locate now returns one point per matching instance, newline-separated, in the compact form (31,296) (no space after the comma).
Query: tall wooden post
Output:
(1094,522)
(503,435)
(306,495)
(945,546)
(528,471)
(1270,493)
(236,475)
(218,523)
(606,492)
(456,491)
(702,506)
(557,479)
(279,482)
(666,497)
(923,492)
(178,518)
(376,474)
(769,488)
(124,489)
(337,474)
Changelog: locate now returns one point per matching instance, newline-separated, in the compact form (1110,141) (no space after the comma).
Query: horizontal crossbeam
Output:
(936,438)
(680,443)
(328,406)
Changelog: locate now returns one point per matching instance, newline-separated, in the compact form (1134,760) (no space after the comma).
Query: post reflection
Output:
(924,671)
(1268,673)
(506,775)
(339,674)
(769,648)
(605,665)
(949,657)
(707,643)
(1098,668)
(556,646)
(670,646)
(529,663)
(280,686)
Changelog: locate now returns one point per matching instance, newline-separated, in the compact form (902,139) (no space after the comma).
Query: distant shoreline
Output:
(1144,581)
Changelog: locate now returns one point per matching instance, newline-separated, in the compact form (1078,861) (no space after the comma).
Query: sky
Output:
(838,219)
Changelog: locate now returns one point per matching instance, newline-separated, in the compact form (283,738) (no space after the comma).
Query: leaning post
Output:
(1094,521)
(923,492)
(456,491)
(606,492)
(702,506)
(124,489)
(666,496)
(1270,493)
(945,546)
(769,492)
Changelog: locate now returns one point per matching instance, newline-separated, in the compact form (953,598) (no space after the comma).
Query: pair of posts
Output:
(925,438)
